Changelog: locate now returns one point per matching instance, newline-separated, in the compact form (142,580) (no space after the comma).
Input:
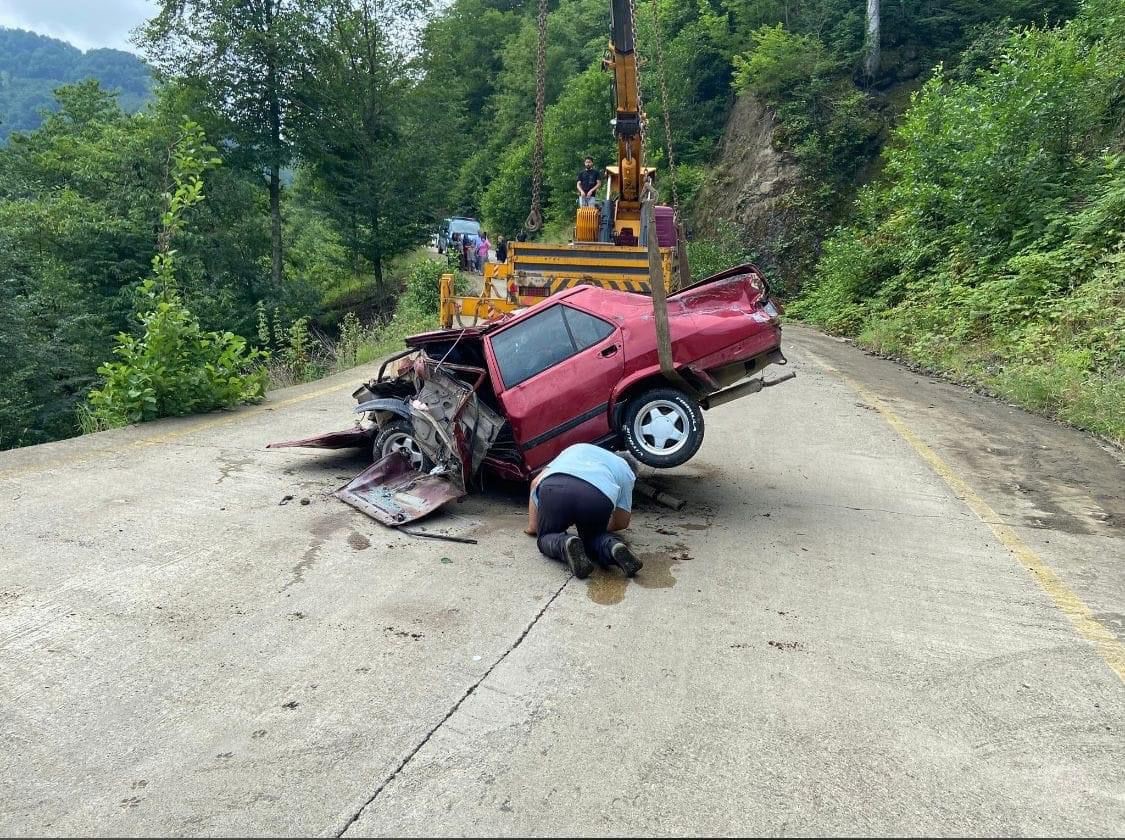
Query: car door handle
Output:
(609,351)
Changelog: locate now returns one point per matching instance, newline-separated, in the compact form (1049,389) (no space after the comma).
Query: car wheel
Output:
(662,427)
(398,436)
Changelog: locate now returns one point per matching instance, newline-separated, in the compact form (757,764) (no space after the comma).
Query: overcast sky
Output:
(84,23)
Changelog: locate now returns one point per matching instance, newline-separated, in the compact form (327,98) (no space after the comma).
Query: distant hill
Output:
(32,66)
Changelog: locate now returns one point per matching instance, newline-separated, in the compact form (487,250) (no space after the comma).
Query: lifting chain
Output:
(535,217)
(637,58)
(664,102)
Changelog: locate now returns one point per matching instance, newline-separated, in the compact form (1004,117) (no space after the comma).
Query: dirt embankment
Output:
(749,183)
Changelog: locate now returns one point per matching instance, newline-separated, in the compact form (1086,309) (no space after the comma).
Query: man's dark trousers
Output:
(564,501)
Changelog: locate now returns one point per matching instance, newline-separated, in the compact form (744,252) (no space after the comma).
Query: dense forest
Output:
(959,198)
(32,66)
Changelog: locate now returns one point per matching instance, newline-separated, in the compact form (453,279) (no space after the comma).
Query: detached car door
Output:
(554,373)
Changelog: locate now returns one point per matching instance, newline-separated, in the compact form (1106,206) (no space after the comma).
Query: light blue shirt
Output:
(608,472)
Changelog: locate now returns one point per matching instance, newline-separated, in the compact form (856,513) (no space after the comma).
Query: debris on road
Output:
(647,491)
(785,645)
(429,535)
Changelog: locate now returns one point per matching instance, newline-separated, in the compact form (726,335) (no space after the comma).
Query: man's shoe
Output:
(624,559)
(576,558)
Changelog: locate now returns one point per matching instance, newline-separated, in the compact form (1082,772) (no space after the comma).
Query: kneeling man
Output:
(592,489)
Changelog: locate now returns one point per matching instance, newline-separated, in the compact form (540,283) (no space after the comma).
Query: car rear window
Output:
(544,340)
(465,226)
(586,329)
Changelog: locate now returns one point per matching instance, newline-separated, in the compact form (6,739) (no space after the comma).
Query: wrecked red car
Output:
(580,367)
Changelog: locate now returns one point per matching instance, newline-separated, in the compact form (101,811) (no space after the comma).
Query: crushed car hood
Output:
(389,491)
(452,426)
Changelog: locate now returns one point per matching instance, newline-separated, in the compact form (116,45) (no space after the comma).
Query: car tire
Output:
(398,436)
(662,427)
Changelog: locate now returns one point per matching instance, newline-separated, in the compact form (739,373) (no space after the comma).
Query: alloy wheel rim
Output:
(661,427)
(404,443)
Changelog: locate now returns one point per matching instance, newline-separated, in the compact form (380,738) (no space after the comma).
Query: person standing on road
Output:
(484,246)
(588,182)
(592,489)
(501,249)
(469,250)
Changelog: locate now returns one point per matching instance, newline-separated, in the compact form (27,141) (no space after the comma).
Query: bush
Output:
(992,249)
(711,255)
(421,293)
(175,368)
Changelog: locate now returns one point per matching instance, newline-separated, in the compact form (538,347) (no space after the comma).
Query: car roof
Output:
(602,301)
(590,296)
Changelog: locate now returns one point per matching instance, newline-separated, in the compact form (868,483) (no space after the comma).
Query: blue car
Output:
(460,225)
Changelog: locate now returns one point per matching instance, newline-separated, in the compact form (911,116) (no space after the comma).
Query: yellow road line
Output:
(153,440)
(1073,607)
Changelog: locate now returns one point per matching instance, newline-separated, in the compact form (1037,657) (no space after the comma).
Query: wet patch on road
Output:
(324,528)
(606,587)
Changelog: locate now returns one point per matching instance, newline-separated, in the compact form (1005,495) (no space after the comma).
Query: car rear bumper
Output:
(728,383)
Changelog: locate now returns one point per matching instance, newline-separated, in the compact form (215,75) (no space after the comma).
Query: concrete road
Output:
(891,607)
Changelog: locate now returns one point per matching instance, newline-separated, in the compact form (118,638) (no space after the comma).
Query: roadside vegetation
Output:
(993,246)
(301,353)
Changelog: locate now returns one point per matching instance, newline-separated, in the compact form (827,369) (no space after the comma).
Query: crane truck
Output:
(610,244)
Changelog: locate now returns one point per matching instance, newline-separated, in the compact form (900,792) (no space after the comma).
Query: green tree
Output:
(79,198)
(175,367)
(247,55)
(577,125)
(361,129)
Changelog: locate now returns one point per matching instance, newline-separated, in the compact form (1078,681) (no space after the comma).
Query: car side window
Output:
(544,340)
(586,329)
(532,346)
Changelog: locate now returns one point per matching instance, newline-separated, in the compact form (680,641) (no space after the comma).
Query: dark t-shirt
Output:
(588,178)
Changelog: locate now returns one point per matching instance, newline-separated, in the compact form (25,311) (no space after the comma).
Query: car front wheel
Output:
(662,427)
(398,436)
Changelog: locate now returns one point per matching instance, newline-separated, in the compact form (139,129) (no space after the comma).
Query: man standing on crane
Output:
(588,182)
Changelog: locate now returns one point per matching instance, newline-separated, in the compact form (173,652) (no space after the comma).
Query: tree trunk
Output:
(871,60)
(376,249)
(274,95)
(275,222)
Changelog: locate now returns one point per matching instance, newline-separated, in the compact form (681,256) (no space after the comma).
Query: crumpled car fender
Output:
(354,438)
(394,406)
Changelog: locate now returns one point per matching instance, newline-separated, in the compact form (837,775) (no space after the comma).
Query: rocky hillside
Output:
(751,185)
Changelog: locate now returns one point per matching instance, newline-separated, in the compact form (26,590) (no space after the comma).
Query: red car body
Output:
(580,367)
(726,320)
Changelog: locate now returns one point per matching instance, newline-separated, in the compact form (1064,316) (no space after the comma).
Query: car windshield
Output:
(465,226)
